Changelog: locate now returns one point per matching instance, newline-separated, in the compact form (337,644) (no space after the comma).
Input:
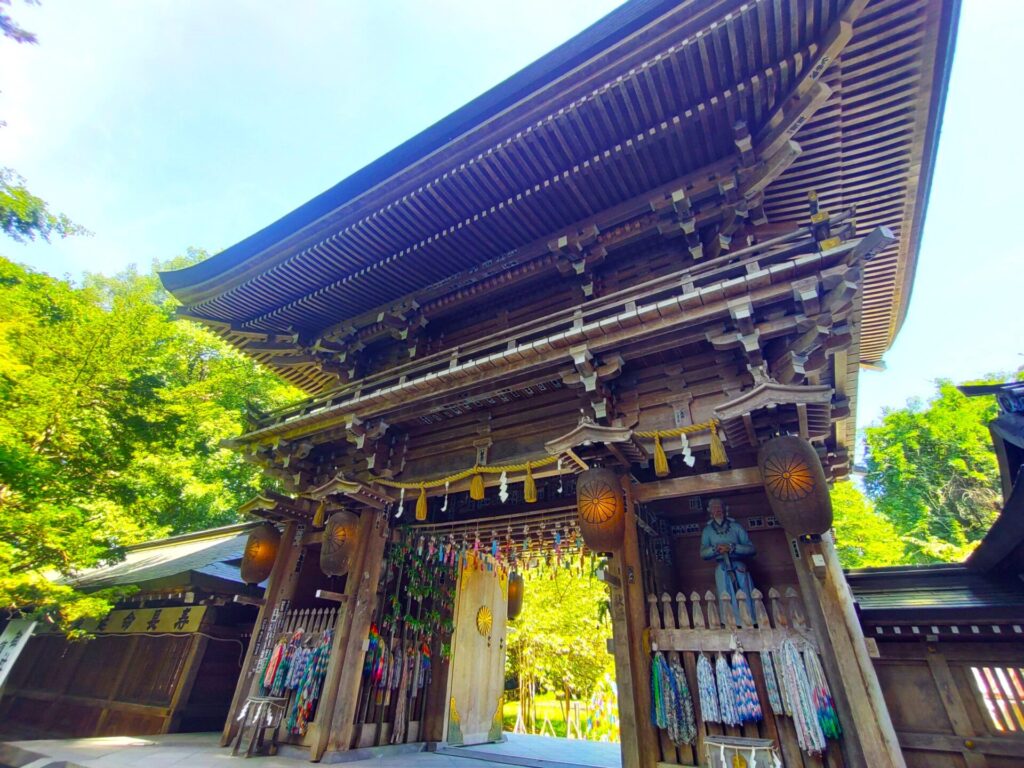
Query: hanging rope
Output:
(476,483)
(718,455)
(707,692)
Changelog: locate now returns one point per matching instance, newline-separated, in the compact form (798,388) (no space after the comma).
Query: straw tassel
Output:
(718,455)
(476,487)
(660,459)
(318,518)
(529,486)
(421,503)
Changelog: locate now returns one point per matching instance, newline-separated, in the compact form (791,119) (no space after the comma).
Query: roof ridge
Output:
(207,533)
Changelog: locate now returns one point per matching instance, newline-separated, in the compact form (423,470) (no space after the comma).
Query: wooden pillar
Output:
(350,642)
(280,586)
(632,662)
(869,739)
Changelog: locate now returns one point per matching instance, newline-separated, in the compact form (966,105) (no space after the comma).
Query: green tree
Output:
(864,538)
(112,415)
(23,216)
(559,640)
(932,473)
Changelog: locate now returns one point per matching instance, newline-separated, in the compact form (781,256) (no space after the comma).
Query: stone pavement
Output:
(201,750)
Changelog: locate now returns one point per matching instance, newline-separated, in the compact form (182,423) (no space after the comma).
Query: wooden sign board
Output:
(14,638)
(176,620)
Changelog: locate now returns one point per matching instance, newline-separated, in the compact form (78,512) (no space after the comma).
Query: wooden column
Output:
(949,693)
(350,641)
(632,661)
(869,739)
(280,586)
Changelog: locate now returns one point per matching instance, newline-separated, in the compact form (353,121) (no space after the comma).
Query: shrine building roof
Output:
(647,96)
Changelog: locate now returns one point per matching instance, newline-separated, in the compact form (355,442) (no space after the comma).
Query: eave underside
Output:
(657,107)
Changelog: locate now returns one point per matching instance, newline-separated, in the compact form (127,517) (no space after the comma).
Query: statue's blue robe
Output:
(733,534)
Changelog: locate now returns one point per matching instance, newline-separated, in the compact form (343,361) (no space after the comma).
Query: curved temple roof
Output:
(645,97)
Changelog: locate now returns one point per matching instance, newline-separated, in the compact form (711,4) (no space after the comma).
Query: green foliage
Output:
(559,639)
(111,419)
(23,216)
(864,538)
(932,473)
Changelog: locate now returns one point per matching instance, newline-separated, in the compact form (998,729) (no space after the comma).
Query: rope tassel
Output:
(421,504)
(718,455)
(476,487)
(660,459)
(529,486)
(318,518)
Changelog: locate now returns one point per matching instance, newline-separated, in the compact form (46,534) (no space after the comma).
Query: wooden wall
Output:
(122,684)
(938,709)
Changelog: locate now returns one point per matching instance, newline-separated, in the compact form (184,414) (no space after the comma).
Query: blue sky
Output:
(165,124)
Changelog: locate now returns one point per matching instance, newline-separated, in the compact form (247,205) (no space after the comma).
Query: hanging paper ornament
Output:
(601,509)
(726,692)
(503,487)
(558,464)
(260,553)
(771,683)
(805,717)
(688,458)
(823,704)
(707,691)
(444,507)
(339,543)
(529,486)
(401,503)
(684,705)
(747,704)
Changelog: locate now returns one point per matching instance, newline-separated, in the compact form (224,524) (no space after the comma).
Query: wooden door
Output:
(478,656)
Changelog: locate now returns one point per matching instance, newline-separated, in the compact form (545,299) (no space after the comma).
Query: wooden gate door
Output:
(478,656)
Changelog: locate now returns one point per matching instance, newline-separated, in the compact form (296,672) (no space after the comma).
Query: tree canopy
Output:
(864,538)
(111,418)
(932,472)
(559,640)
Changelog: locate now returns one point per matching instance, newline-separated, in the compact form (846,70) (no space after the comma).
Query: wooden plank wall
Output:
(938,709)
(110,685)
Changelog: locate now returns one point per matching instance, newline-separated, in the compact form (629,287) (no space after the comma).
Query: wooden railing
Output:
(709,623)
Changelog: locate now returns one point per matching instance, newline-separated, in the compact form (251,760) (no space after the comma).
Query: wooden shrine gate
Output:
(477,676)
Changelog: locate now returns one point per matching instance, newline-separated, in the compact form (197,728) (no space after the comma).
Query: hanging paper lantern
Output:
(795,483)
(339,543)
(515,594)
(601,509)
(260,553)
